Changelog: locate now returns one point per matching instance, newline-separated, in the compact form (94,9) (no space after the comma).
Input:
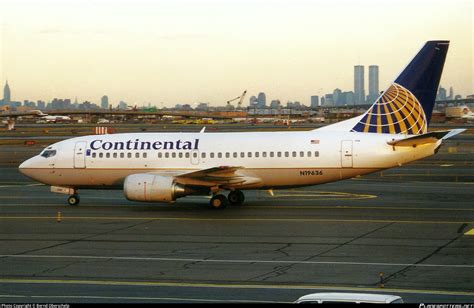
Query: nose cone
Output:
(26,167)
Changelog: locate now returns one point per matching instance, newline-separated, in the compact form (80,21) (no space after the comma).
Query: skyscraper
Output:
(262,100)
(253,101)
(359,84)
(314,101)
(6,94)
(373,83)
(104,102)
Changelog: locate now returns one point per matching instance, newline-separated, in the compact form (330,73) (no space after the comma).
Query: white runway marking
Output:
(237,261)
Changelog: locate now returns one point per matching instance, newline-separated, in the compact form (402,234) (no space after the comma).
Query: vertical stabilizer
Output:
(406,106)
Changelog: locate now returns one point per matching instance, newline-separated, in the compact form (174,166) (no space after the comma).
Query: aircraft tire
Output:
(219,202)
(236,197)
(73,200)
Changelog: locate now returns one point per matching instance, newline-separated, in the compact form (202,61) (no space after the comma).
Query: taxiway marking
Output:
(470,232)
(148,259)
(231,286)
(180,299)
(236,219)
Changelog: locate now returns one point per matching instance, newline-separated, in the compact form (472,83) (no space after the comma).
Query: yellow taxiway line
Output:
(235,219)
(231,286)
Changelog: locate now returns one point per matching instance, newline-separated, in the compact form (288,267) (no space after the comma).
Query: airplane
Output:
(162,167)
(51,118)
(36,113)
(467,113)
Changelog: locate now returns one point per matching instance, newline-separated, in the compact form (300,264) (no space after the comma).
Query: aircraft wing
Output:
(224,176)
(431,137)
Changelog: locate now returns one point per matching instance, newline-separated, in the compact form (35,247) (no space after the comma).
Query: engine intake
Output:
(149,187)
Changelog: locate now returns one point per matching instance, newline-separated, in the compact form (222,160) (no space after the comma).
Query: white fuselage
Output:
(279,159)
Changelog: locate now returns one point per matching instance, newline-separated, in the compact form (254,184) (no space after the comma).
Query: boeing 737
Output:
(161,167)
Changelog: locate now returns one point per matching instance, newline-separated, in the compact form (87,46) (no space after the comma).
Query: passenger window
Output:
(219,155)
(287,154)
(227,155)
(257,154)
(279,154)
(242,154)
(173,155)
(195,155)
(107,155)
(115,155)
(212,154)
(94,155)
(144,155)
(203,155)
(180,154)
(160,154)
(271,154)
(264,154)
(294,154)
(129,155)
(186,155)
(309,153)
(122,155)
(235,154)
(137,155)
(101,155)
(249,154)
(316,154)
(301,154)
(167,155)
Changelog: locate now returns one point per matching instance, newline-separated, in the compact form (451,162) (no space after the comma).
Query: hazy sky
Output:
(210,51)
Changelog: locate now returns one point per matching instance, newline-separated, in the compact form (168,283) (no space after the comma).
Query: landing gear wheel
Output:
(73,200)
(236,197)
(219,202)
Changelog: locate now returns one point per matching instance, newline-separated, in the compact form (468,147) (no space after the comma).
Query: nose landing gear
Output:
(73,200)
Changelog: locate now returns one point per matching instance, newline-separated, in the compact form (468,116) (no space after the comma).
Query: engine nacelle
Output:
(149,187)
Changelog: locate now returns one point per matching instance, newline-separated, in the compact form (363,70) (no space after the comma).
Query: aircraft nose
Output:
(25,167)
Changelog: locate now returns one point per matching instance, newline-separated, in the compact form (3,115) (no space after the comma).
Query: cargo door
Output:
(346,154)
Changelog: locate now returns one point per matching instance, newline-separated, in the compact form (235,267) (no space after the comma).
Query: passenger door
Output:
(80,154)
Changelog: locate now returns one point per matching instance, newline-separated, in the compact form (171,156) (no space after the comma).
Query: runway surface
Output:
(414,224)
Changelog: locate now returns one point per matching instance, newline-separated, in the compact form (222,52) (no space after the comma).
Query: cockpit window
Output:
(48,153)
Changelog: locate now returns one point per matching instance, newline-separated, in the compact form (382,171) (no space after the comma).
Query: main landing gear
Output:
(220,201)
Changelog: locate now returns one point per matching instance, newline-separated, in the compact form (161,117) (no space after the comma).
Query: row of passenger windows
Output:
(211,154)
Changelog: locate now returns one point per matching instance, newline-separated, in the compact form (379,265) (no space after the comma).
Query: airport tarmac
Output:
(414,224)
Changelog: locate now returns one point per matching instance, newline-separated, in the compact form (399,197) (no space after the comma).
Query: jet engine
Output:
(149,187)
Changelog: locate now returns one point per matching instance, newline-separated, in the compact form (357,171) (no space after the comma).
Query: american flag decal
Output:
(315,141)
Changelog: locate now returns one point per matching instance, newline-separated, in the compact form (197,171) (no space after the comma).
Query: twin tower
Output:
(359,88)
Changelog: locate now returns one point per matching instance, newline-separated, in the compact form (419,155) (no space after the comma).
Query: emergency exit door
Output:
(346,154)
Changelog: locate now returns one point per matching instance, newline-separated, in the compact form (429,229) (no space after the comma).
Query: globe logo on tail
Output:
(397,111)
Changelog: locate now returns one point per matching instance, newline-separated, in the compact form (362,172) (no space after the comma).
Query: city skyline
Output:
(210,51)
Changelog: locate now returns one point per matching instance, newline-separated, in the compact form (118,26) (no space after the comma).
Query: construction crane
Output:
(240,98)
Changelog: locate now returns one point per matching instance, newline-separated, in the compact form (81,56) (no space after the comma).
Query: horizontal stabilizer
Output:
(427,138)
